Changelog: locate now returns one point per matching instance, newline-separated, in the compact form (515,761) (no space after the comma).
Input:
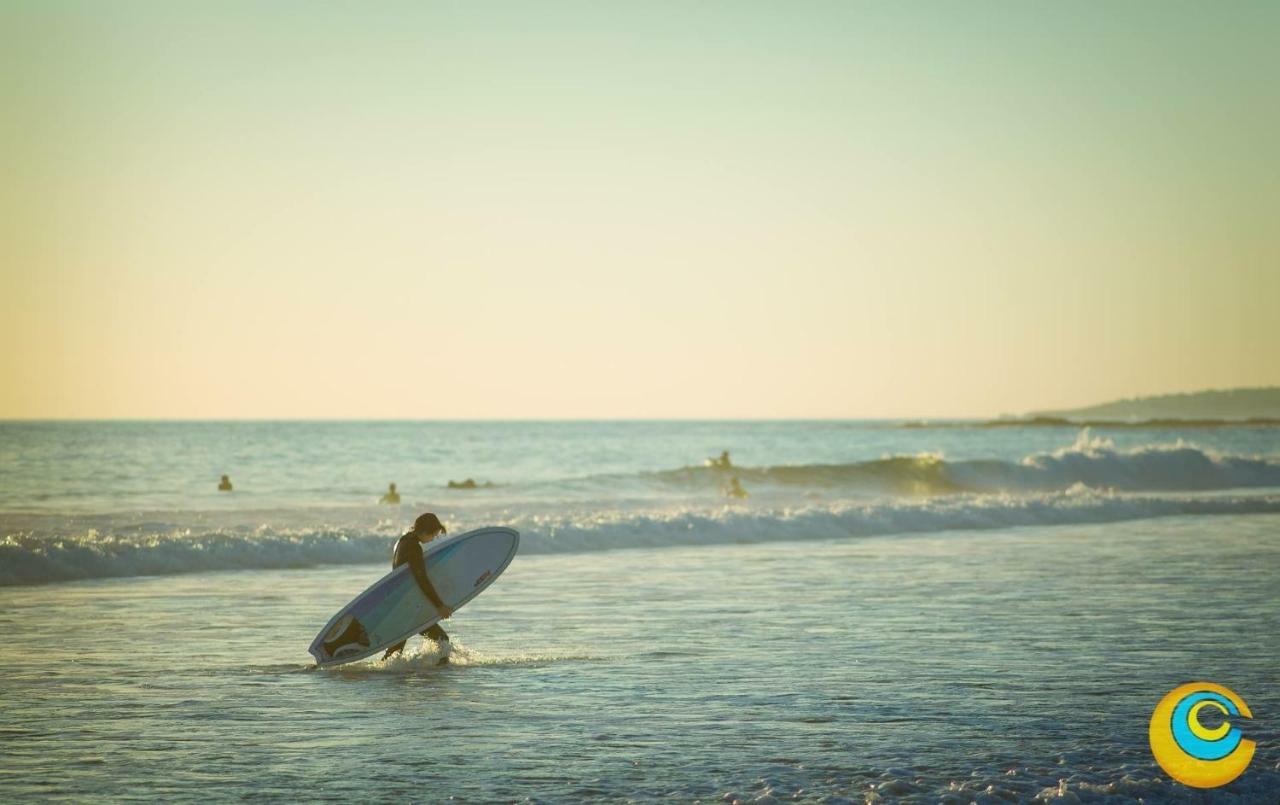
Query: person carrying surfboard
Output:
(409,551)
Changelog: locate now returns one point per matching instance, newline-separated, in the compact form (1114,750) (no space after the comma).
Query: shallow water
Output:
(947,665)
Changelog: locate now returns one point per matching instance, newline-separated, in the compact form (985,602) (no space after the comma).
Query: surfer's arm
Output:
(419,569)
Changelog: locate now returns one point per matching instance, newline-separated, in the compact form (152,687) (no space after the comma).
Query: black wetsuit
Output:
(409,552)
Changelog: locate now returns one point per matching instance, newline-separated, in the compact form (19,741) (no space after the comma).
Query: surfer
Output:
(470,483)
(409,551)
(721,463)
(392,498)
(225,484)
(735,489)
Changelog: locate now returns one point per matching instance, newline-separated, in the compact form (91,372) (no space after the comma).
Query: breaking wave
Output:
(1091,461)
(33,558)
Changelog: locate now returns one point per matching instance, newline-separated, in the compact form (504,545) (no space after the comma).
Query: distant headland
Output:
(1245,407)
(1226,404)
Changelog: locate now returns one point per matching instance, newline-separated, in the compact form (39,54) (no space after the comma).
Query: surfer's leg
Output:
(396,649)
(442,640)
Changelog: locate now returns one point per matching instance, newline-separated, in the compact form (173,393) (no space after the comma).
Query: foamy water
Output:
(892,615)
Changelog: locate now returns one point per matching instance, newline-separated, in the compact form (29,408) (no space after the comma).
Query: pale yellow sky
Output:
(433,210)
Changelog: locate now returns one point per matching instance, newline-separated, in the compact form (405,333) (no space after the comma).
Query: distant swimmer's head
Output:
(393,487)
(225,484)
(428,526)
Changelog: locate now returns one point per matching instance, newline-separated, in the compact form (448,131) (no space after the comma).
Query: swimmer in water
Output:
(409,552)
(225,484)
(470,483)
(735,489)
(392,498)
(720,463)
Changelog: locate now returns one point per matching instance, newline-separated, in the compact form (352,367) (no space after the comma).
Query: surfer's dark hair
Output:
(428,523)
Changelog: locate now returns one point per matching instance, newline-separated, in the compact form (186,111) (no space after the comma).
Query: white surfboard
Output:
(394,608)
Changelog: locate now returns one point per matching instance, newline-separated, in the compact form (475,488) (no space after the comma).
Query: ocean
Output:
(936,612)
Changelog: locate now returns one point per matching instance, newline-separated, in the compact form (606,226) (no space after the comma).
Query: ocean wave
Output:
(34,558)
(1158,423)
(924,474)
(1091,461)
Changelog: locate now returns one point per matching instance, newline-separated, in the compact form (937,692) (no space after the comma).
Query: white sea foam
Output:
(30,557)
(425,656)
(1097,462)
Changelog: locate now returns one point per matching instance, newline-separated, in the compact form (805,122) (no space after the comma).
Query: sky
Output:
(633,210)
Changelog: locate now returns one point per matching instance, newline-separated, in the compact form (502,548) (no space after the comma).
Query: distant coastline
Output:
(1215,404)
(1215,408)
(1064,422)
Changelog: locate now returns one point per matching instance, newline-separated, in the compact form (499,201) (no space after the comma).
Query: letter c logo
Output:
(1188,751)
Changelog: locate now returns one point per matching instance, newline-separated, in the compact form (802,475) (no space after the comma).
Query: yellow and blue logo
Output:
(1192,753)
